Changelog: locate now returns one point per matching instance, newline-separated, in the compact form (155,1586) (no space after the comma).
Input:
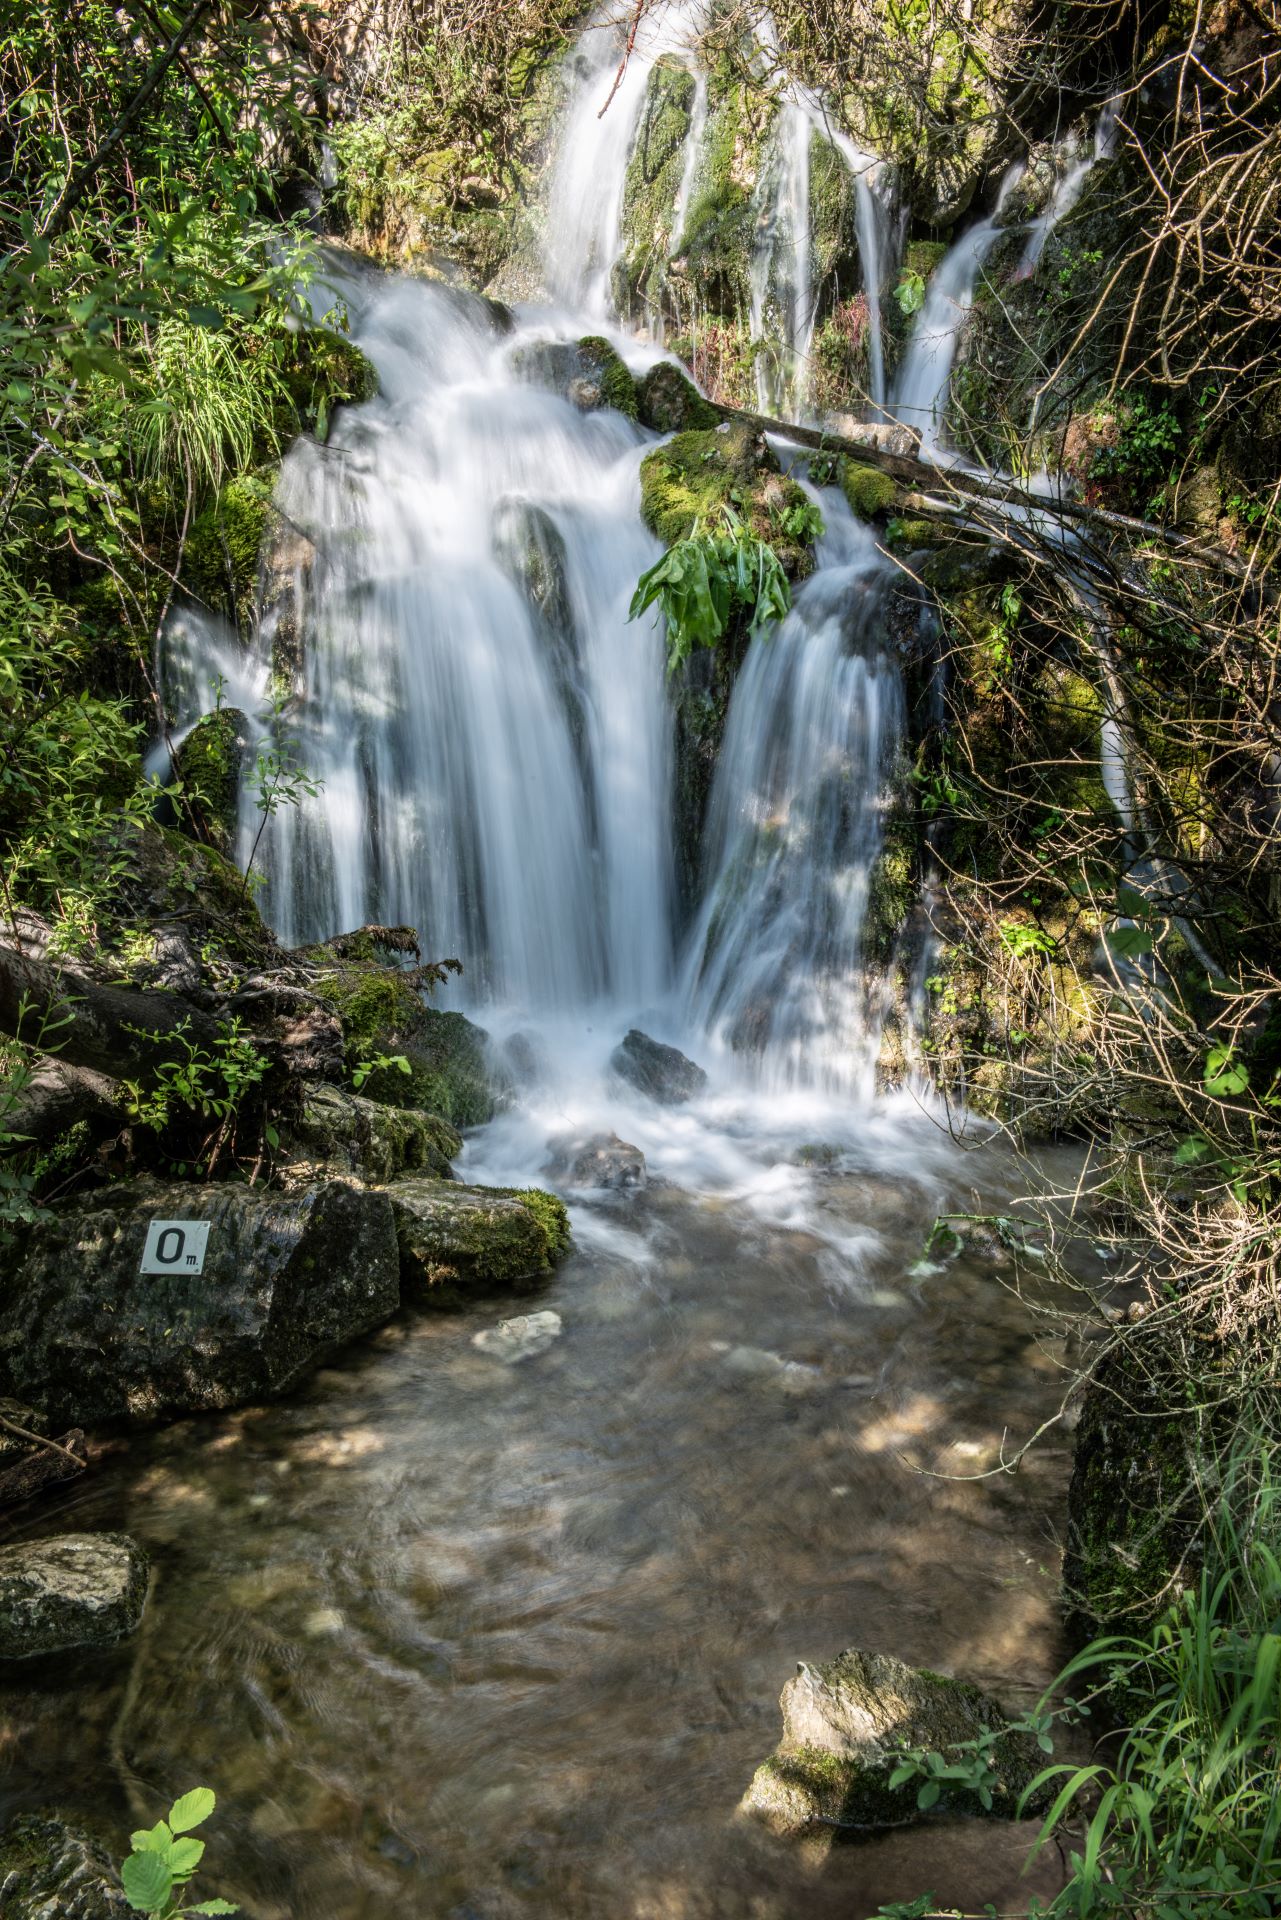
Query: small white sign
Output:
(175,1246)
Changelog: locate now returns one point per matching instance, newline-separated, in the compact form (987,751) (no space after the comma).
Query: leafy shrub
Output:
(702,582)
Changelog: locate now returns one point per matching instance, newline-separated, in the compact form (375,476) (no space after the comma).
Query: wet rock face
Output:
(287,1279)
(662,1072)
(670,403)
(338,1132)
(209,764)
(76,1590)
(843,1724)
(459,1241)
(602,1160)
(48,1869)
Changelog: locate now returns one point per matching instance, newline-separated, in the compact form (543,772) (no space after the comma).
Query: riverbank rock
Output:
(287,1279)
(458,1241)
(521,1338)
(662,1072)
(76,1590)
(600,1160)
(843,1725)
(339,1132)
(52,1871)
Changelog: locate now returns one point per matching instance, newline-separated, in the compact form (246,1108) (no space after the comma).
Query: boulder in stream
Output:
(662,1072)
(843,1726)
(283,1282)
(49,1869)
(75,1590)
(339,1132)
(458,1241)
(598,1160)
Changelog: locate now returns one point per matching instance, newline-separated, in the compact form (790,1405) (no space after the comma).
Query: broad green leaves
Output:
(701,582)
(164,1857)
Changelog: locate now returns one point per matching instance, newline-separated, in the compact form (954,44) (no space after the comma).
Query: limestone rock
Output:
(843,1724)
(76,1590)
(287,1280)
(662,1072)
(521,1338)
(339,1132)
(457,1241)
(51,1871)
(598,1160)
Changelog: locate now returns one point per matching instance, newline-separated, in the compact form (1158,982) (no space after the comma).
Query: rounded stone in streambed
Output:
(662,1072)
(285,1280)
(75,1590)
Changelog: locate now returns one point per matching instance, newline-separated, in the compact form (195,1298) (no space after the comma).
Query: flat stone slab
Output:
(74,1590)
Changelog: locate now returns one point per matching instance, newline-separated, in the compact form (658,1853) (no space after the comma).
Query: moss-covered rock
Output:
(690,481)
(162,877)
(869,490)
(843,1726)
(669,402)
(651,190)
(327,370)
(339,1132)
(210,763)
(456,1242)
(52,1871)
(605,380)
(220,560)
(384,1014)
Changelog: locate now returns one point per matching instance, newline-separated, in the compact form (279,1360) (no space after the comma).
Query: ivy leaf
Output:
(191,1809)
(147,1881)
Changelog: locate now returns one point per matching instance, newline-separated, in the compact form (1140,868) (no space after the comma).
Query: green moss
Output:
(458,1241)
(671,403)
(689,482)
(327,371)
(869,491)
(382,1013)
(922,256)
(617,385)
(220,561)
(551,1215)
(911,536)
(209,764)
(652,187)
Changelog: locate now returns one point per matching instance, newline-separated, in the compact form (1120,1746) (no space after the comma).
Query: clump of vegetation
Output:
(702,584)
(157,1873)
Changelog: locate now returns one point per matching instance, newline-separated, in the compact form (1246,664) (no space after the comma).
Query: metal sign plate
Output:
(175,1246)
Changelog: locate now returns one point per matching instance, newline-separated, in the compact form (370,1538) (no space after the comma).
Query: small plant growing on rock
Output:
(157,1873)
(700,583)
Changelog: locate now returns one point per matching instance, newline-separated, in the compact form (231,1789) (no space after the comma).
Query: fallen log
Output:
(53,1462)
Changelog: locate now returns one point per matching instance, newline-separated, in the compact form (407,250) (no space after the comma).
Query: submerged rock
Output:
(338,1132)
(662,1072)
(600,1160)
(844,1724)
(458,1241)
(76,1590)
(286,1280)
(521,1338)
(52,1871)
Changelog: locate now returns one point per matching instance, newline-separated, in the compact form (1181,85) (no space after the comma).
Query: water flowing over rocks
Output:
(662,1072)
(843,1726)
(287,1280)
(75,1590)
(599,1161)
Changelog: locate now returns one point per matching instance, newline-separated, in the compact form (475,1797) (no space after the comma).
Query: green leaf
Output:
(152,1840)
(1128,943)
(147,1881)
(929,1793)
(192,1809)
(213,1906)
(184,1857)
(1224,1073)
(1190,1152)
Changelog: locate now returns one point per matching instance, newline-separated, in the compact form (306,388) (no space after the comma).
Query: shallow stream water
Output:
(463,1639)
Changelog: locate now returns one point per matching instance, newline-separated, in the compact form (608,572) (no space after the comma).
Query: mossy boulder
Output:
(456,1242)
(210,763)
(220,560)
(893,882)
(383,1013)
(651,190)
(869,490)
(162,877)
(589,372)
(844,1724)
(339,1132)
(669,402)
(52,1871)
(690,482)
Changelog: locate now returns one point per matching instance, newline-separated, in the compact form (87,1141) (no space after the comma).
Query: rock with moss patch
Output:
(286,1281)
(689,483)
(74,1590)
(220,560)
(589,372)
(843,1726)
(869,490)
(210,763)
(52,1871)
(339,1132)
(669,402)
(456,1242)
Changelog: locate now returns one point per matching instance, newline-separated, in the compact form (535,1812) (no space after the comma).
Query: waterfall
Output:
(775,966)
(494,758)
(780,268)
(1073,168)
(925,375)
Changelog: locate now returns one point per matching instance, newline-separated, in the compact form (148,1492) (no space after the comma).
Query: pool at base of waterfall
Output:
(476,1634)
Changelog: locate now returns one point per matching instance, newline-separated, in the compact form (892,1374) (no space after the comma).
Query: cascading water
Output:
(780,269)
